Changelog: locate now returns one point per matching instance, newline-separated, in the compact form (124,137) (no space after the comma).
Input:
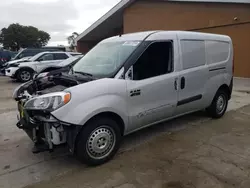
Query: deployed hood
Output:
(18,60)
(28,63)
(15,61)
(49,82)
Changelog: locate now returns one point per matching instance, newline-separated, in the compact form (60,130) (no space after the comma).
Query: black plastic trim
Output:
(231,88)
(188,100)
(215,69)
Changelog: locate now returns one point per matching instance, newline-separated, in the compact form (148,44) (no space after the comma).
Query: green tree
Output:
(72,40)
(17,36)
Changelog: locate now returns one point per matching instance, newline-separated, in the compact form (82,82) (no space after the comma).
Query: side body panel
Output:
(154,99)
(192,77)
(150,100)
(220,68)
(202,82)
(92,98)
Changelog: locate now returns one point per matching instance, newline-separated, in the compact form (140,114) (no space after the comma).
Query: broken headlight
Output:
(50,102)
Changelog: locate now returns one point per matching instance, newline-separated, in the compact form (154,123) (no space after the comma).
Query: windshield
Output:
(105,58)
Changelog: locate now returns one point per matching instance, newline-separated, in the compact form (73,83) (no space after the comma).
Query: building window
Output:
(155,61)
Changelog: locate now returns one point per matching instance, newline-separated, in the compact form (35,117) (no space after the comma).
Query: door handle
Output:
(182,82)
(176,84)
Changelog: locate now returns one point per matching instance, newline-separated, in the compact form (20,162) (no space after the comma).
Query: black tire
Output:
(25,75)
(108,130)
(215,110)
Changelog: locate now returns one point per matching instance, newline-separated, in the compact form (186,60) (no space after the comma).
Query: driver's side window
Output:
(156,60)
(46,57)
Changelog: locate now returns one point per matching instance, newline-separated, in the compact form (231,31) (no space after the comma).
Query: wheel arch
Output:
(23,68)
(225,88)
(211,109)
(117,118)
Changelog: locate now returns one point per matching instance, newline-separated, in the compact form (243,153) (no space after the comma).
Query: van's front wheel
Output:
(99,141)
(219,105)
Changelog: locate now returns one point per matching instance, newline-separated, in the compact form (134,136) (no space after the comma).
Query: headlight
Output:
(20,89)
(48,102)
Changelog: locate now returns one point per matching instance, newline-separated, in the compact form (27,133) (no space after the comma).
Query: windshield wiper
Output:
(83,73)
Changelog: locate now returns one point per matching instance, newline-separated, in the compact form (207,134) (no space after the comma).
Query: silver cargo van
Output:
(126,83)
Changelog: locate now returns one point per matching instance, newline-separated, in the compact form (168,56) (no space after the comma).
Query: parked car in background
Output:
(64,66)
(13,54)
(33,51)
(123,84)
(7,64)
(23,71)
(5,56)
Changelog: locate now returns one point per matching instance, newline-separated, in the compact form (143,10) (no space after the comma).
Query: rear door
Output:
(193,76)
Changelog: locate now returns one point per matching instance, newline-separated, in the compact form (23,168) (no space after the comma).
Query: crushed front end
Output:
(36,100)
(44,130)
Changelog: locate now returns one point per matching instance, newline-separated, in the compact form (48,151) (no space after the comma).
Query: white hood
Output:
(30,63)
(17,61)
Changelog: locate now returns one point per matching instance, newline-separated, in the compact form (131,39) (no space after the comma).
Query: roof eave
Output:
(112,11)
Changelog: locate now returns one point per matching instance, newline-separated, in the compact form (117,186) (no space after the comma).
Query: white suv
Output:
(23,71)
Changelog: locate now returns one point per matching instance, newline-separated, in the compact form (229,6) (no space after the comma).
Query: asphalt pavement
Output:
(20,167)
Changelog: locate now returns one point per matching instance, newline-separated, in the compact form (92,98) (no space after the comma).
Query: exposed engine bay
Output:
(51,82)
(44,129)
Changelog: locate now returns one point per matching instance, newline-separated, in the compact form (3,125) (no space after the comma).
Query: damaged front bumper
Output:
(46,131)
(42,127)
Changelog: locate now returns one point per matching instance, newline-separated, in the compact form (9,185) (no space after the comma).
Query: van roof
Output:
(158,35)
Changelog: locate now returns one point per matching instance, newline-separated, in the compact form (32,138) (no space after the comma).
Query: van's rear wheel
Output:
(219,105)
(98,142)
